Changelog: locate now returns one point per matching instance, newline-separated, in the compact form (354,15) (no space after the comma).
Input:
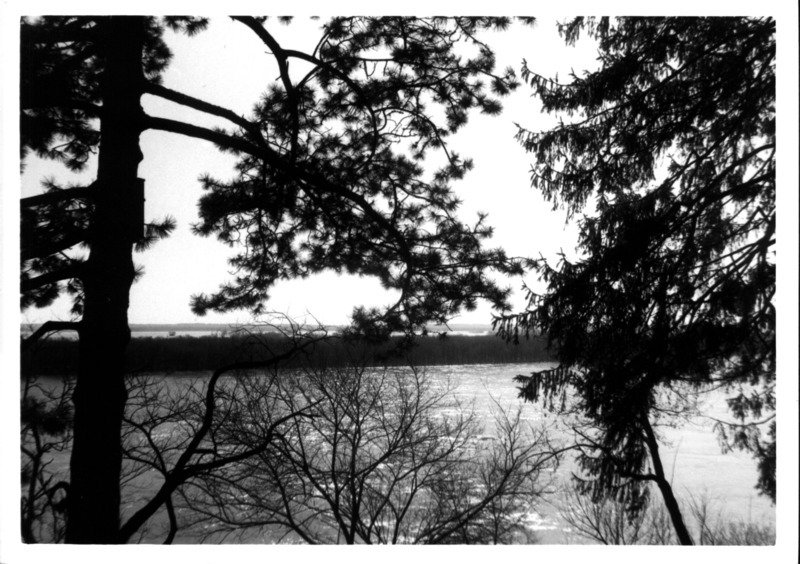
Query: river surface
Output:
(691,452)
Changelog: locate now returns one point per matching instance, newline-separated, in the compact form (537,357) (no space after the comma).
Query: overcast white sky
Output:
(227,65)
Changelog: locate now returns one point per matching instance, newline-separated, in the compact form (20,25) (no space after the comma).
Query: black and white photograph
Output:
(399,278)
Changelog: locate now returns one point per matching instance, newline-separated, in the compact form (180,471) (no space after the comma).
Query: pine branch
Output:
(313,181)
(73,271)
(29,252)
(283,67)
(43,101)
(219,138)
(56,196)
(197,104)
(282,55)
(71,32)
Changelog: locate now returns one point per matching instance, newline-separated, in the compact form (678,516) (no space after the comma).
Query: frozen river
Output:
(690,452)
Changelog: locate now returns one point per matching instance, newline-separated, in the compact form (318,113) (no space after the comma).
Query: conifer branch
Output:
(73,271)
(56,196)
(312,181)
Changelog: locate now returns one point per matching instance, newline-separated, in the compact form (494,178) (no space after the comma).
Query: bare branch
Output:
(49,327)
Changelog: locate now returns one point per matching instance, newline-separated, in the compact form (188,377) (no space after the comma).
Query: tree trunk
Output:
(664,486)
(94,498)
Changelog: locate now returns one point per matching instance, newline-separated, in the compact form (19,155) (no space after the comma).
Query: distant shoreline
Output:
(182,353)
(455,328)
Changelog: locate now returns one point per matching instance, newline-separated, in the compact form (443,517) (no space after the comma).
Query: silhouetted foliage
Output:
(668,149)
(350,193)
(62,65)
(329,176)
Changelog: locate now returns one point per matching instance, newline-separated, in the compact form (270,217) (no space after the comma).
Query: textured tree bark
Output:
(664,486)
(93,513)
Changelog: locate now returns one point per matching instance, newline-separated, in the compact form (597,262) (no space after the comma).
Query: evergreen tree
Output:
(668,149)
(329,177)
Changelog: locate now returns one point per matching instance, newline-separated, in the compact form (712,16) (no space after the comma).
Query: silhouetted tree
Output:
(81,82)
(330,177)
(672,139)
(373,456)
